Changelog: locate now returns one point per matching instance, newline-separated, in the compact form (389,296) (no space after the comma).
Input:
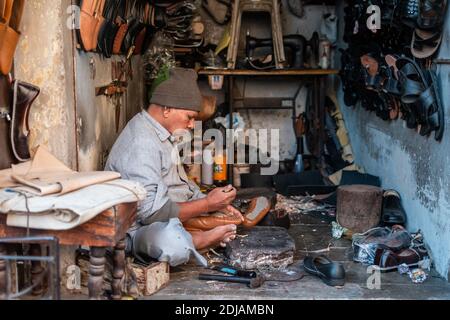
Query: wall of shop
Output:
(44,58)
(96,115)
(415,166)
(77,127)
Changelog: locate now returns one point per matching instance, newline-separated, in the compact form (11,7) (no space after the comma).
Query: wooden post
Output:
(118,270)
(2,272)
(96,272)
(359,207)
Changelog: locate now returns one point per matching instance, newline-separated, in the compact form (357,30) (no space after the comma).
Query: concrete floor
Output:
(312,235)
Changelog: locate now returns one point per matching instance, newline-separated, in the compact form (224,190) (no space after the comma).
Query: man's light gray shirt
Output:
(143,153)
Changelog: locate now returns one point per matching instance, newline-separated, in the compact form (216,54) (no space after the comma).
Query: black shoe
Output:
(332,273)
(393,212)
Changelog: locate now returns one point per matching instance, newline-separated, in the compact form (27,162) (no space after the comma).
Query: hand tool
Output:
(235,272)
(252,283)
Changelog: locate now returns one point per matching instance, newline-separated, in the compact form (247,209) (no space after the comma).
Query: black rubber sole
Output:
(330,282)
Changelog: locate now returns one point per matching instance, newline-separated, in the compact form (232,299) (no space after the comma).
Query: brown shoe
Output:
(257,210)
(387,259)
(205,223)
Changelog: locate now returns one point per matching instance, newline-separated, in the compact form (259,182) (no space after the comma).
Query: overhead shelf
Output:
(277,72)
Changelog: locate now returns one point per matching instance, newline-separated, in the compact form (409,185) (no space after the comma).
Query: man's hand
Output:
(232,211)
(219,198)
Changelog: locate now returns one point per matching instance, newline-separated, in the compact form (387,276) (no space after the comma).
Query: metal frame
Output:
(52,270)
(270,6)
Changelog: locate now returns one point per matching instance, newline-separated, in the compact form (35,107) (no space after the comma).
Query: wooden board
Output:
(105,230)
(286,72)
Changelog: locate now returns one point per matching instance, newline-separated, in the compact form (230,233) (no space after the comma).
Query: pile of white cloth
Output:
(45,194)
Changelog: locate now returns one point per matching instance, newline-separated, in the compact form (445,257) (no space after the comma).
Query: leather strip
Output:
(119,38)
(6,11)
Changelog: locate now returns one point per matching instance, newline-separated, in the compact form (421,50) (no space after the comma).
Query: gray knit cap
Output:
(179,91)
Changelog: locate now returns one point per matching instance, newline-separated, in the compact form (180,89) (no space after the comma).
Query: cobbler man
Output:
(143,153)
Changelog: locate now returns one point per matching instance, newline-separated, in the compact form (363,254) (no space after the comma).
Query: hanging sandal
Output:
(420,93)
(391,85)
(388,11)
(431,14)
(371,67)
(425,43)
(409,12)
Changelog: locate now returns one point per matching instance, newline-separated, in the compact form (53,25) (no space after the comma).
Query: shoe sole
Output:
(387,269)
(330,282)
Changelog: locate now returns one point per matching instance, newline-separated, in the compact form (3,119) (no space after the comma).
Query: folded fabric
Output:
(64,212)
(45,175)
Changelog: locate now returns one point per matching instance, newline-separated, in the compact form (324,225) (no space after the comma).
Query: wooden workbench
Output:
(105,230)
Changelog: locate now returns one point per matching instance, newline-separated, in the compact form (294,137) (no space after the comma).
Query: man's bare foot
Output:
(214,237)
(223,244)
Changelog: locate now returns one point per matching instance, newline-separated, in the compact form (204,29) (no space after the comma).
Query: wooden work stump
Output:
(359,207)
(261,248)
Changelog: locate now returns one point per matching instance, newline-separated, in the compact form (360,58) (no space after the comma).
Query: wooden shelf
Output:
(283,72)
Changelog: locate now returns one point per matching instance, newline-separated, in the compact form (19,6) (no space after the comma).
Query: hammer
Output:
(252,283)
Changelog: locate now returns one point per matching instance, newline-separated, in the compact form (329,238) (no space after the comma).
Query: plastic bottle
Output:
(298,166)
(220,169)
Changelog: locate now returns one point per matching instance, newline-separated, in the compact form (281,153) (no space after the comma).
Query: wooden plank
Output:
(102,231)
(286,72)
(126,215)
(152,278)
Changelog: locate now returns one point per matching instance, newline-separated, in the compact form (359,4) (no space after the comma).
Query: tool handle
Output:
(236,272)
(213,277)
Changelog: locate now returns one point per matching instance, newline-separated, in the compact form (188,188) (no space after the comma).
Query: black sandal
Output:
(409,12)
(424,44)
(393,211)
(420,93)
(431,14)
(388,11)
